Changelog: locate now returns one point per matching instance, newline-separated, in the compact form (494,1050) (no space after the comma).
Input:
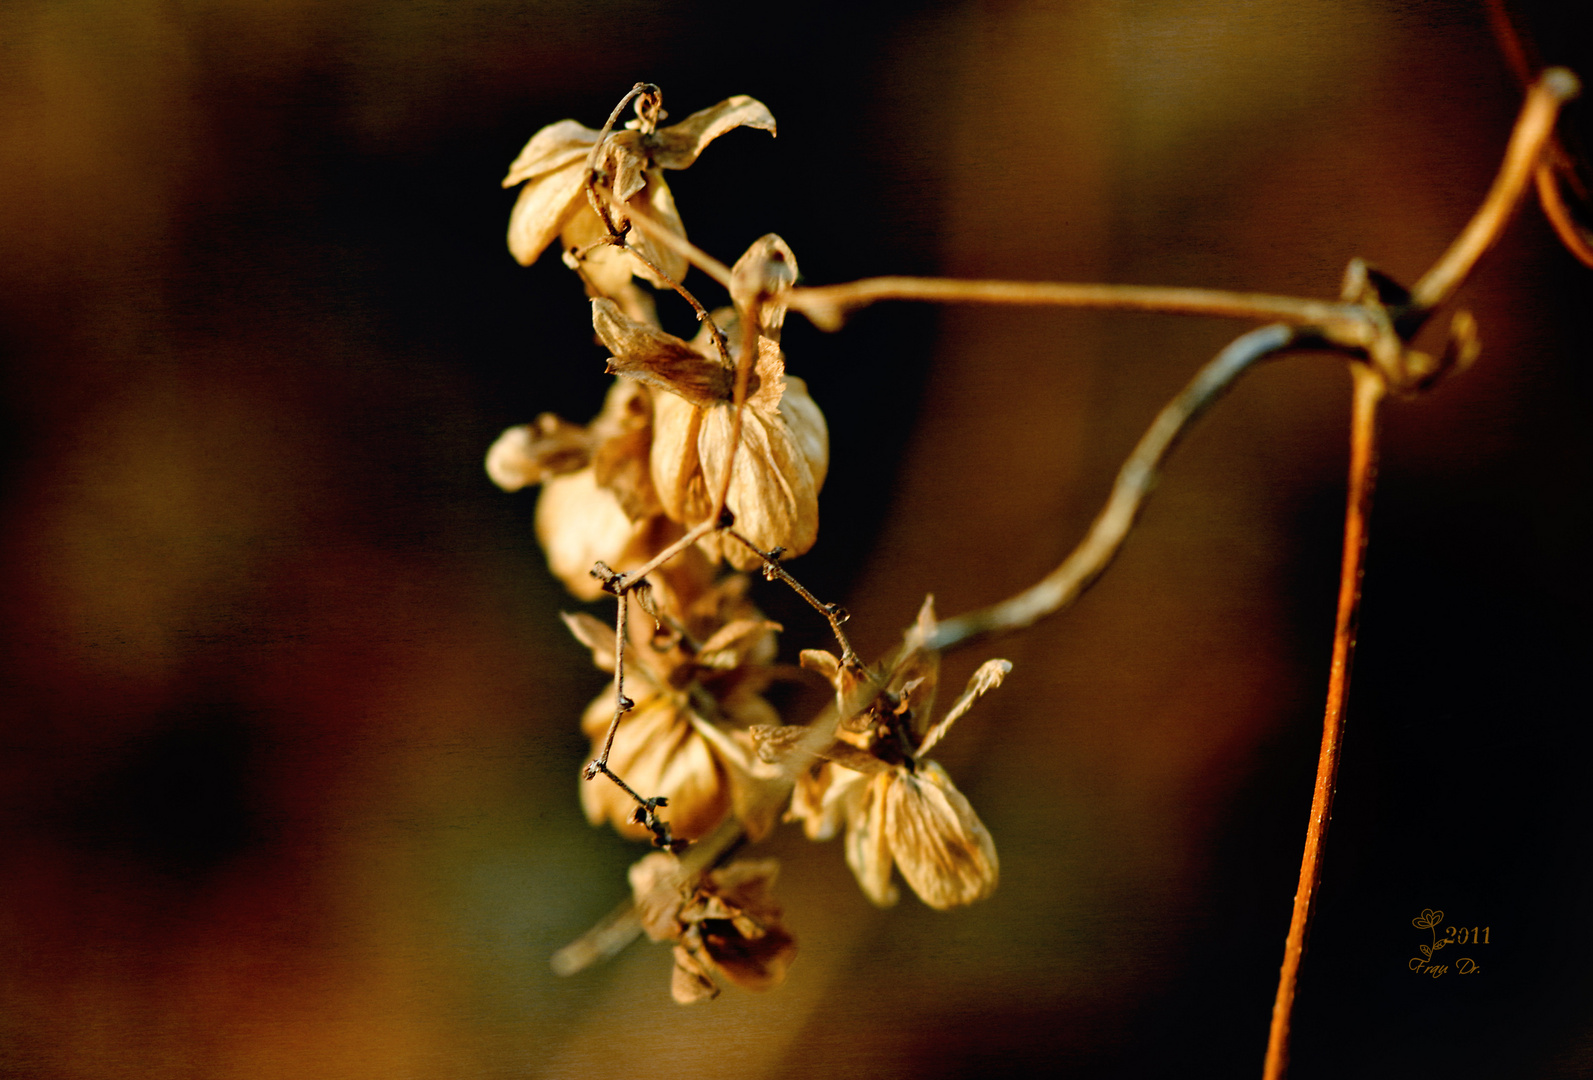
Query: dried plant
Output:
(707,453)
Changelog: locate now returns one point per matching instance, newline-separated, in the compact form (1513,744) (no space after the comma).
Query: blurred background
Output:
(288,781)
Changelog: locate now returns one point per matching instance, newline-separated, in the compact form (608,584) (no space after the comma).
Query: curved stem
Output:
(828,305)
(1534,128)
(1135,481)
(1577,240)
(1369,391)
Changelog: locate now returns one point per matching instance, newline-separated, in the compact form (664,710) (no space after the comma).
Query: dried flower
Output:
(629,167)
(696,688)
(724,924)
(900,809)
(782,453)
(598,503)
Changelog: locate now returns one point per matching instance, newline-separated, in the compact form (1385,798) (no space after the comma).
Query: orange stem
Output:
(1369,390)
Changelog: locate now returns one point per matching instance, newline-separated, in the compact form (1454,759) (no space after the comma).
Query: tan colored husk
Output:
(726,924)
(782,455)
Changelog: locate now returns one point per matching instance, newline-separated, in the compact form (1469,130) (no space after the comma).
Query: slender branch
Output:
(828,305)
(622,704)
(833,612)
(1369,392)
(1533,130)
(616,237)
(1556,164)
(680,245)
(1135,481)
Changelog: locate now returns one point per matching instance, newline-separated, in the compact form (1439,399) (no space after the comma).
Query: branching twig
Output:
(1372,324)
(832,612)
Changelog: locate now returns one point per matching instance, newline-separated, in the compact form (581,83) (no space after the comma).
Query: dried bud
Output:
(536,452)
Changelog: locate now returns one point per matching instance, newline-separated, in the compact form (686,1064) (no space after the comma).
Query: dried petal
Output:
(580,523)
(987,678)
(808,430)
(545,206)
(868,847)
(732,644)
(943,850)
(676,468)
(659,753)
(755,802)
(532,453)
(772,491)
(677,146)
(554,147)
(660,360)
(594,634)
(822,661)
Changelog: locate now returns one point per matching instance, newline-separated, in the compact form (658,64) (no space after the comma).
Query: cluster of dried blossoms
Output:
(706,453)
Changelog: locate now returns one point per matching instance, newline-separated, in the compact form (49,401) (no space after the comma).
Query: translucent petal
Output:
(941,847)
(677,146)
(544,207)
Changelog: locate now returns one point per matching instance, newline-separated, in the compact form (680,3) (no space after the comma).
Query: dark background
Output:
(290,721)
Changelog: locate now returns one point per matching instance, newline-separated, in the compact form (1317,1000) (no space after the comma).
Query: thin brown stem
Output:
(1369,391)
(828,305)
(694,534)
(1135,481)
(680,245)
(696,305)
(597,150)
(622,704)
(832,612)
(1534,128)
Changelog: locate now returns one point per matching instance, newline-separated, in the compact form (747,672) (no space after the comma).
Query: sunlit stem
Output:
(1369,392)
